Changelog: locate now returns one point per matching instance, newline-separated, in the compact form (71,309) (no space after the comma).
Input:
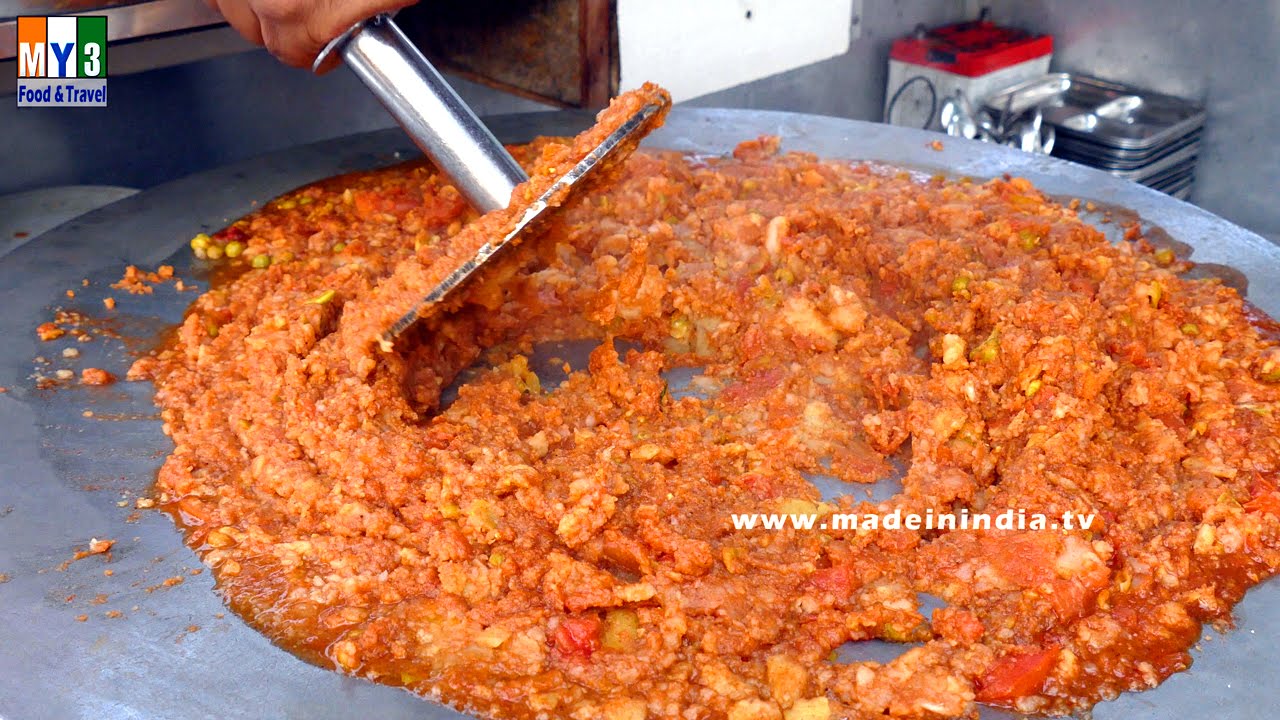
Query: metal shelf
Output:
(125,20)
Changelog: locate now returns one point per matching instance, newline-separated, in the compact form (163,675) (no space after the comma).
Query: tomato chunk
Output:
(1268,504)
(440,209)
(366,203)
(1071,599)
(1017,675)
(231,233)
(193,511)
(577,637)
(758,485)
(837,580)
(1265,497)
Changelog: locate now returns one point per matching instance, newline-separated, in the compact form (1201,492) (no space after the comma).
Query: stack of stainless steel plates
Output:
(1136,134)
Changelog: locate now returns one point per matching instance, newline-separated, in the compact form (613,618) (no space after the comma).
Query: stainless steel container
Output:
(1130,132)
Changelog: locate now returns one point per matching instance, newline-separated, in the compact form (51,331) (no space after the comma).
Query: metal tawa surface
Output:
(66,478)
(25,215)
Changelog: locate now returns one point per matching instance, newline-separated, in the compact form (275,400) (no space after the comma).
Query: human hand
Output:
(295,31)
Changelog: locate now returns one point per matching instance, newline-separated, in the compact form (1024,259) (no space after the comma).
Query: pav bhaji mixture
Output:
(568,552)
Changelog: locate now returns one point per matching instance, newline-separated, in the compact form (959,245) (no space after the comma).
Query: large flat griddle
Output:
(62,475)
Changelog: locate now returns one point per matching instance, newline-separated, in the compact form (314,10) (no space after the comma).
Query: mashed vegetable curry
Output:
(568,552)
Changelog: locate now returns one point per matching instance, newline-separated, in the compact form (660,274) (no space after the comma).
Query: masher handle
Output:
(429,110)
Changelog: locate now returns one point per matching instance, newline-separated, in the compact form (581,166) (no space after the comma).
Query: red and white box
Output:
(975,58)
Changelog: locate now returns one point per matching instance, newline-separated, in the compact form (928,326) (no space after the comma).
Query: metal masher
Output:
(442,125)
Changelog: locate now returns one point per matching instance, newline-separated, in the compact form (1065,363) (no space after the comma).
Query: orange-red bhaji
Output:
(537,551)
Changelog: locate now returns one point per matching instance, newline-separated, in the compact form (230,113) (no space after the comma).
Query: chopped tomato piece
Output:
(1070,599)
(762,147)
(193,511)
(233,233)
(758,485)
(1261,484)
(439,209)
(577,637)
(1016,676)
(837,580)
(754,386)
(1266,499)
(397,201)
(366,203)
(1025,559)
(1132,352)
(1268,504)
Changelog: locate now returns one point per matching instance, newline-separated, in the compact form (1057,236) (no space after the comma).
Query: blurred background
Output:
(186,93)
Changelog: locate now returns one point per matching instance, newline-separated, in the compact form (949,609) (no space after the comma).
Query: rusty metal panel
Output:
(558,51)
